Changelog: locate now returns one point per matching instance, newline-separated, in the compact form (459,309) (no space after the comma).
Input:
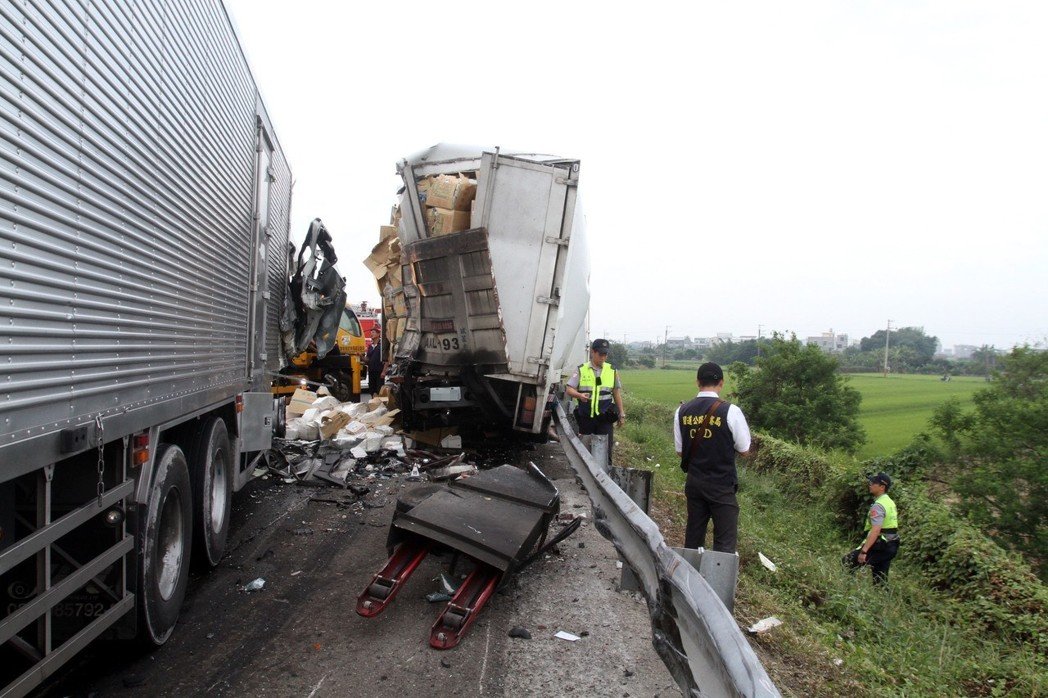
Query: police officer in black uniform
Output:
(708,433)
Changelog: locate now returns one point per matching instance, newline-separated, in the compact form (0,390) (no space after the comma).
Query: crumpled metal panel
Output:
(498,516)
(692,631)
(317,295)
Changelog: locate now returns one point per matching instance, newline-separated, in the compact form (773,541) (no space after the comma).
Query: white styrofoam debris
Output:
(563,635)
(372,442)
(374,415)
(310,415)
(765,624)
(326,403)
(383,429)
(298,429)
(453,441)
(766,562)
(345,441)
(354,409)
(358,452)
(355,427)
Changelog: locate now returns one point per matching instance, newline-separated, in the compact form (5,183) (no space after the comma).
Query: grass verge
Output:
(925,635)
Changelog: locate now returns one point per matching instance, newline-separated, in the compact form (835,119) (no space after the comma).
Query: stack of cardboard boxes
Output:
(384,263)
(447,202)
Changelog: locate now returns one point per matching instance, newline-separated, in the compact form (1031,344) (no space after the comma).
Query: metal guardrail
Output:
(692,630)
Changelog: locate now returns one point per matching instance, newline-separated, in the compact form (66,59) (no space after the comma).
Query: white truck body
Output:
(513,290)
(144,212)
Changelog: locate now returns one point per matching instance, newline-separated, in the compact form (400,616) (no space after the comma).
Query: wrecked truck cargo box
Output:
(499,516)
(487,321)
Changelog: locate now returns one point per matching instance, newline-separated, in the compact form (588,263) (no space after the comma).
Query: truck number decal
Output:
(443,342)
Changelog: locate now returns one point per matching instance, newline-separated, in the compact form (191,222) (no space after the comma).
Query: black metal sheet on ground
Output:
(528,487)
(491,530)
(497,517)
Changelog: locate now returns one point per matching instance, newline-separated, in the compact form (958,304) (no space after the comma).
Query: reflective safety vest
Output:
(588,383)
(891,516)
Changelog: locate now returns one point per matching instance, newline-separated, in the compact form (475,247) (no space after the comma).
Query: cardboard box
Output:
(331,423)
(386,231)
(453,192)
(442,221)
(301,401)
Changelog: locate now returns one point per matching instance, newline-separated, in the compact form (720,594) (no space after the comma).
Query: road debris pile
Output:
(339,442)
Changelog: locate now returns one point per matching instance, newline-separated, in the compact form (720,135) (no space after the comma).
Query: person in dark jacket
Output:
(373,359)
(708,432)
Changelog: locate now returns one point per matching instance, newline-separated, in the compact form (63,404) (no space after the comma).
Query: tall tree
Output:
(1001,449)
(923,345)
(727,353)
(618,354)
(797,393)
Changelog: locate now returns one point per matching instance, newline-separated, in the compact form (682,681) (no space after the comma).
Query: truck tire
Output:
(166,544)
(211,472)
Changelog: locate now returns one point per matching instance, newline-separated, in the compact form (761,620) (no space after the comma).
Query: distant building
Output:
(964,351)
(678,342)
(829,342)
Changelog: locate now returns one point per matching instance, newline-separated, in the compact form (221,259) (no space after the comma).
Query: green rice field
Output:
(894,408)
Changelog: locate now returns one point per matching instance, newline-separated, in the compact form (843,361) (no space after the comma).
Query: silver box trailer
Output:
(144,212)
(496,315)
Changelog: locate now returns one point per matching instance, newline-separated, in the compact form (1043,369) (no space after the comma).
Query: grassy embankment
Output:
(961,617)
(894,408)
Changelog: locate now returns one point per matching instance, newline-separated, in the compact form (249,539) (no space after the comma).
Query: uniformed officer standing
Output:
(708,432)
(882,531)
(597,378)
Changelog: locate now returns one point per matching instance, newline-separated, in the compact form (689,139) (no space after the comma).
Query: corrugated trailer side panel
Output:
(128,134)
(276,253)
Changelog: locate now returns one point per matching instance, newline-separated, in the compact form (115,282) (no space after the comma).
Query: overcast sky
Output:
(800,166)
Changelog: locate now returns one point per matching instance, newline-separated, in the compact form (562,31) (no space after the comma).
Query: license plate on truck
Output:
(452,394)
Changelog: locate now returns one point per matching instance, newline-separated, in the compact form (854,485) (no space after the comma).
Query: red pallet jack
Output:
(456,618)
(498,520)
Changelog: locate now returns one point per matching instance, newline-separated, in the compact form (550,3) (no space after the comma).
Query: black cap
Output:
(880,479)
(600,346)
(710,373)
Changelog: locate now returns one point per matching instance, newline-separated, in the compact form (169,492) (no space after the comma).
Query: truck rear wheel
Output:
(163,562)
(211,472)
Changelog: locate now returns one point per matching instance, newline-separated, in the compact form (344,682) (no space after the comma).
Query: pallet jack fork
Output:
(456,618)
(391,578)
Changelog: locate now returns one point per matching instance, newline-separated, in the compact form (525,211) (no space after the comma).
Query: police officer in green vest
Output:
(882,531)
(597,387)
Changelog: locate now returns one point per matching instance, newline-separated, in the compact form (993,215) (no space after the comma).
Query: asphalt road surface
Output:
(300,635)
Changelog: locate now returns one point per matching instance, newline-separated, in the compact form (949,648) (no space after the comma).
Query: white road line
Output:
(319,684)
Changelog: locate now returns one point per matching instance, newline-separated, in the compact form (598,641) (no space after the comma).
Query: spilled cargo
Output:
(484,275)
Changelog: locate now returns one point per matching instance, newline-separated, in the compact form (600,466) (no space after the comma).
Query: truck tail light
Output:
(240,404)
(140,448)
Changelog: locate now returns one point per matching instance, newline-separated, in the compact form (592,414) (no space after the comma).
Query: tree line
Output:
(910,350)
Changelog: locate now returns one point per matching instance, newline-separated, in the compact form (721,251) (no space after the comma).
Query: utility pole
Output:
(665,339)
(759,340)
(887,339)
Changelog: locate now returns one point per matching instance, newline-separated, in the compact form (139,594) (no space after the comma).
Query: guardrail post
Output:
(637,484)
(599,448)
(720,570)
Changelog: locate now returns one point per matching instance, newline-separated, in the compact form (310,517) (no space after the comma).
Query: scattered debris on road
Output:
(255,585)
(766,562)
(564,635)
(519,632)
